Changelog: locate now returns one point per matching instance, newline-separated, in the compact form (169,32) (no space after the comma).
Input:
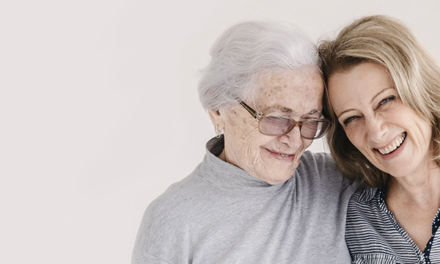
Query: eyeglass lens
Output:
(275,126)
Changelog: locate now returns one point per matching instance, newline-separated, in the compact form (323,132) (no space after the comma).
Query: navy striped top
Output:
(374,236)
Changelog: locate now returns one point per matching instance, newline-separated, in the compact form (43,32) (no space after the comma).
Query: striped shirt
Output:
(374,236)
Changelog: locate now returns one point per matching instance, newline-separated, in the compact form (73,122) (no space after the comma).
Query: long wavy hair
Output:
(413,69)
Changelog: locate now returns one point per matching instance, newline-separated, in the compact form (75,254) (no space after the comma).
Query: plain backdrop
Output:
(100,114)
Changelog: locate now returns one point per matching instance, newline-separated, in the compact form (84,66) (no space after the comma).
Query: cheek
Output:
(355,135)
(249,147)
(306,143)
(357,138)
(243,131)
(426,133)
(237,126)
(249,127)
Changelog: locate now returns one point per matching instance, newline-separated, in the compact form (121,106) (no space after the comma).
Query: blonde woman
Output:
(384,95)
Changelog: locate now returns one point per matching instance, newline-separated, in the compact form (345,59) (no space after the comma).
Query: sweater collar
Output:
(227,176)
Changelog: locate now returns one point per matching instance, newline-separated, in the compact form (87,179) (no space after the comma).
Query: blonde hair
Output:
(413,69)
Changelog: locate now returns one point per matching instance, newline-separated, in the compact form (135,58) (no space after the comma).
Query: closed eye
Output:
(349,120)
(386,100)
(317,117)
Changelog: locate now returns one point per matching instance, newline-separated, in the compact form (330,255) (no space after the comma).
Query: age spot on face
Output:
(297,92)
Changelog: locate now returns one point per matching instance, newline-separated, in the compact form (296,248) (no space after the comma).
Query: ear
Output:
(217,119)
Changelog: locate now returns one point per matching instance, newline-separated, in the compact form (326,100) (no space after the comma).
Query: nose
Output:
(293,139)
(376,129)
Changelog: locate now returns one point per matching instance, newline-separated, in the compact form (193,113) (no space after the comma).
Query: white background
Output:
(99,110)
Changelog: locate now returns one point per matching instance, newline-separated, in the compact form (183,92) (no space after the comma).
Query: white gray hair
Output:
(244,52)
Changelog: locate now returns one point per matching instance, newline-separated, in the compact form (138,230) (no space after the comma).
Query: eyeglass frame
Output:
(299,124)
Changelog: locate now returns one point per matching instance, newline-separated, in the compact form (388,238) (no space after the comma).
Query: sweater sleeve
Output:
(145,258)
(163,236)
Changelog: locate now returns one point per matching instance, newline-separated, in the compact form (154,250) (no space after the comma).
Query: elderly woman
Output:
(257,197)
(384,89)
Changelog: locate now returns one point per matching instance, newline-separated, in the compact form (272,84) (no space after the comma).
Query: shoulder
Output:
(320,166)
(366,211)
(319,172)
(145,258)
(367,199)
(177,200)
(320,161)
(371,232)
(365,203)
(166,224)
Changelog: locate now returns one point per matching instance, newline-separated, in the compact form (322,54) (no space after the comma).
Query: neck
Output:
(419,189)
(222,156)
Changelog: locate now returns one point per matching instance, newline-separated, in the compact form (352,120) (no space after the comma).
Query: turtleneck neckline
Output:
(231,178)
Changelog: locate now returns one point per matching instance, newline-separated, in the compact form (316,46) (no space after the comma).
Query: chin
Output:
(279,179)
(277,173)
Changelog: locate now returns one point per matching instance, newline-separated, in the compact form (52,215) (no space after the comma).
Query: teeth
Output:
(393,145)
(283,155)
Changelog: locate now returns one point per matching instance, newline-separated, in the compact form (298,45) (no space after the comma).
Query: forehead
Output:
(299,90)
(358,84)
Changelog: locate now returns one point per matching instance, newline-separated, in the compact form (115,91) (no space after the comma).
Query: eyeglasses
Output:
(272,125)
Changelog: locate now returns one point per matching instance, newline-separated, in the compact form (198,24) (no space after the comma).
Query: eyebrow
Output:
(278,107)
(372,99)
(314,111)
(288,110)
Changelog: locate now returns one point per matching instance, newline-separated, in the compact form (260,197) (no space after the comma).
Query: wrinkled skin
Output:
(373,117)
(366,100)
(273,159)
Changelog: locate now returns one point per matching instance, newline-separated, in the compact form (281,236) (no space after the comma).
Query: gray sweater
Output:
(221,214)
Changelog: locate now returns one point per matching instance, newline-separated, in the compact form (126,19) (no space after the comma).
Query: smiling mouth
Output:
(281,154)
(393,146)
